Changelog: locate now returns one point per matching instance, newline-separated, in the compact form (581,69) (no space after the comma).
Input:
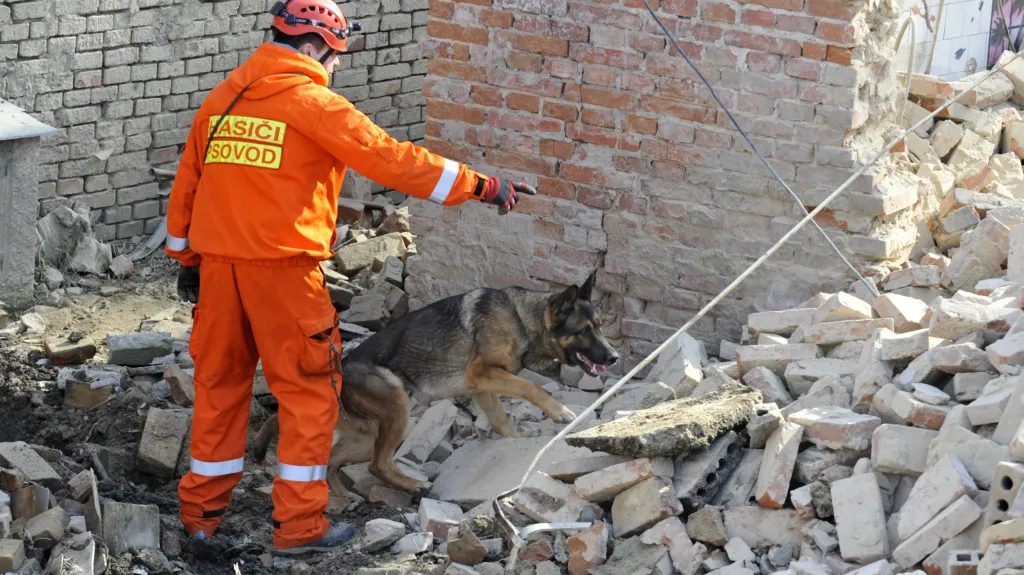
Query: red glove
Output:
(502,193)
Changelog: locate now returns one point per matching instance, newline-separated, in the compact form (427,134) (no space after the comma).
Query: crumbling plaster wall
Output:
(641,175)
(122,79)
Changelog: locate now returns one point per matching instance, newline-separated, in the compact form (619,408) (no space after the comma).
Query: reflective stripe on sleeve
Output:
(217,468)
(302,472)
(176,244)
(445,182)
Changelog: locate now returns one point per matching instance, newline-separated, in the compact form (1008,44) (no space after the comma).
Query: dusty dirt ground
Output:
(33,412)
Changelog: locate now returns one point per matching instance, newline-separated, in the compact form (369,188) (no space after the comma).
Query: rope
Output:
(515,534)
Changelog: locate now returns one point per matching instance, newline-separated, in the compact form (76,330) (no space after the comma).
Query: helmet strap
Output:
(327,55)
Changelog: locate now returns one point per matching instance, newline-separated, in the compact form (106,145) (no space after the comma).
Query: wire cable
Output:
(516,535)
(870,285)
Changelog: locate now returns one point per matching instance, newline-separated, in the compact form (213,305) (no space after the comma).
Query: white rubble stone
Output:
(900,449)
(823,537)
(921,148)
(945,137)
(967,386)
(679,366)
(961,358)
(428,432)
(1009,531)
(605,484)
(779,322)
(834,333)
(760,527)
(739,551)
(957,517)
(979,455)
(906,313)
(989,408)
(842,307)
(642,505)
(939,486)
(1012,416)
(777,466)
(1001,557)
(801,375)
(913,410)
(774,357)
(826,392)
(930,394)
(771,387)
(860,519)
(848,350)
(1007,354)
(986,287)
(880,567)
(896,346)
(953,319)
(381,533)
(803,501)
(764,420)
(917,276)
(439,517)
(873,373)
(836,427)
(1015,260)
(771,339)
(980,255)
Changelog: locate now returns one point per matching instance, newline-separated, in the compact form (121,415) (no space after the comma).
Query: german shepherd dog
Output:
(471,344)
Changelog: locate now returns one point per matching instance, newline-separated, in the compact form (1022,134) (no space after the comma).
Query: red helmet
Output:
(321,17)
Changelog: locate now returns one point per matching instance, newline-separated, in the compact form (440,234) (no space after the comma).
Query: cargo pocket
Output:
(317,357)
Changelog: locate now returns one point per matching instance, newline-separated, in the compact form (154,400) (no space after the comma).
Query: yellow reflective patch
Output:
(244,153)
(249,128)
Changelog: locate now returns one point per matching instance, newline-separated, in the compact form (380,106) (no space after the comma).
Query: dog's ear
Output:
(562,304)
(588,286)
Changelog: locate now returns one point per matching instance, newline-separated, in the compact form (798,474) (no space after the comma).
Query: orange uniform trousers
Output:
(279,311)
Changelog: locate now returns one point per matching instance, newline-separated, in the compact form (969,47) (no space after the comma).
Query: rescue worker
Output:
(252,213)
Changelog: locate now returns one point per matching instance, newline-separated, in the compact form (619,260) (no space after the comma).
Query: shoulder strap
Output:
(213,133)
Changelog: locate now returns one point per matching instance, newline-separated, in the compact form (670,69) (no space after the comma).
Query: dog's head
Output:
(576,329)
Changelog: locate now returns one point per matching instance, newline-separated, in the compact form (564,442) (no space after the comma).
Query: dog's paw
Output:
(563,415)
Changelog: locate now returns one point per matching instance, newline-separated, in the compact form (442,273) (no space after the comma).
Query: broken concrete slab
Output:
(480,470)
(860,519)
(907,313)
(672,428)
(138,348)
(900,449)
(12,555)
(772,389)
(801,375)
(47,528)
(129,527)
(162,438)
(19,456)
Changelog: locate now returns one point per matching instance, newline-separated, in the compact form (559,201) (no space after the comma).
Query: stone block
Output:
(699,476)
(605,484)
(429,431)
(12,555)
(1012,416)
(137,349)
(813,462)
(989,408)
(773,357)
(837,332)
(961,358)
(801,375)
(906,313)
(777,465)
(772,389)
(912,410)
(643,505)
(1010,531)
(803,501)
(968,386)
(939,486)
(438,517)
(162,438)
(979,455)
(908,345)
(183,389)
(782,322)
(706,525)
(900,449)
(860,519)
(739,487)
(356,256)
(1000,557)
(20,457)
(1007,354)
(873,373)
(47,528)
(945,137)
(1015,259)
(836,427)
(917,276)
(679,366)
(128,527)
(760,527)
(947,524)
(842,307)
(763,422)
(953,319)
(569,470)
(588,549)
(980,255)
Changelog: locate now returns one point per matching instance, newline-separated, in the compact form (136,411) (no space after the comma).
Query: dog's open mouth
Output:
(589,366)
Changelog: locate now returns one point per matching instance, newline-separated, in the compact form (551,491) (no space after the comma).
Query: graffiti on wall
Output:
(1007,29)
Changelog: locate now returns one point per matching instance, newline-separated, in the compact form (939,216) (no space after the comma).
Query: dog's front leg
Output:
(495,412)
(491,379)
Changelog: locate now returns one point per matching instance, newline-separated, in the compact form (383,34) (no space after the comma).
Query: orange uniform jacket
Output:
(270,183)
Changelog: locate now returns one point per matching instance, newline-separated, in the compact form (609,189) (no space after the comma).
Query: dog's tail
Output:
(266,434)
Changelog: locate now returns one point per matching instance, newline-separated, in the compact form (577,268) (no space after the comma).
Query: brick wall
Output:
(641,176)
(121,79)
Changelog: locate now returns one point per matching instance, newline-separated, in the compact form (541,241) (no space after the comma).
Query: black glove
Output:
(502,193)
(188,283)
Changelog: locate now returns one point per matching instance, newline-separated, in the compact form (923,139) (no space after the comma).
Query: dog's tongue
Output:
(599,368)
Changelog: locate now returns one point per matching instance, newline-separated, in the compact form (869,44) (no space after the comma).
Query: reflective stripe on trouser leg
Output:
(290,308)
(225,364)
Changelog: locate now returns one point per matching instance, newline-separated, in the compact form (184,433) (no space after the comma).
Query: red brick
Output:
(596,198)
(442,9)
(799,24)
(523,102)
(607,98)
(570,31)
(538,205)
(633,203)
(600,76)
(522,122)
(495,19)
(628,143)
(655,4)
(604,56)
(460,52)
(620,226)
(584,174)
(675,132)
(457,70)
(839,33)
(516,142)
(679,153)
(598,117)
(631,165)
(439,110)
(804,69)
(639,84)
(720,56)
(658,105)
(764,63)
(762,18)
(549,230)
(432,128)
(642,42)
(459,32)
(575,256)
(706,33)
(791,5)
(677,90)
(814,51)
(541,251)
(834,9)
(753,104)
(541,45)
(565,69)
(592,135)
(641,125)
(560,111)
(838,55)
(617,17)
(685,8)
(762,43)
(485,96)
(571,92)
(503,78)
(718,12)
(528,163)
(557,149)
(713,139)
(483,136)
(476,2)
(556,188)
(671,66)
(525,62)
